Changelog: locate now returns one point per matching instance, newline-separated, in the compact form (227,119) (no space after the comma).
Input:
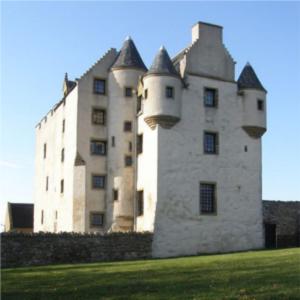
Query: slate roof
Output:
(162,64)
(249,80)
(129,57)
(21,215)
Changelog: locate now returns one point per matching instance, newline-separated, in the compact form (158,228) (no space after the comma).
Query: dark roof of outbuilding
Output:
(21,215)
(249,80)
(129,57)
(162,64)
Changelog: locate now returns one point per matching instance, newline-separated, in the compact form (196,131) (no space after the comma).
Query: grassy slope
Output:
(250,275)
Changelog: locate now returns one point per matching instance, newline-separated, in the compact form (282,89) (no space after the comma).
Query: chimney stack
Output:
(208,33)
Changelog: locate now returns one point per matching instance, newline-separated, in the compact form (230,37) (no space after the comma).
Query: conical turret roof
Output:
(162,64)
(249,80)
(129,57)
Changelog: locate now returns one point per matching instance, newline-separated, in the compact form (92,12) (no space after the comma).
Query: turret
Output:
(254,102)
(162,92)
(122,85)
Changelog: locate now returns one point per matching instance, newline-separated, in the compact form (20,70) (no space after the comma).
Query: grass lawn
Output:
(270,275)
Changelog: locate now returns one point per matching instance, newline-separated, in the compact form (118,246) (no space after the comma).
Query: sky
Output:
(40,41)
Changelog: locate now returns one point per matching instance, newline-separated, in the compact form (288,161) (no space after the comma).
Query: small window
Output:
(260,104)
(130,146)
(47,183)
(45,150)
(62,154)
(63,125)
(128,160)
(62,186)
(97,219)
(139,144)
(98,181)
(56,215)
(169,92)
(113,141)
(207,198)
(211,143)
(115,194)
(139,104)
(210,97)
(146,94)
(42,217)
(99,86)
(98,116)
(127,126)
(128,92)
(140,203)
(98,147)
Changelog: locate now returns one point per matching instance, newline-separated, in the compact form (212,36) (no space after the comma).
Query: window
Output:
(139,104)
(115,194)
(98,116)
(146,93)
(139,144)
(45,150)
(62,186)
(207,198)
(140,203)
(128,160)
(42,217)
(96,219)
(130,146)
(260,104)
(98,147)
(47,183)
(98,181)
(63,125)
(211,143)
(210,97)
(56,215)
(62,154)
(128,92)
(99,86)
(113,141)
(127,126)
(169,92)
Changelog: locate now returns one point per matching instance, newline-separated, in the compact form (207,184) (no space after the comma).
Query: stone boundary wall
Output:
(286,216)
(22,249)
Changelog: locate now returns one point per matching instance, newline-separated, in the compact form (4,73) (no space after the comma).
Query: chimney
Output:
(208,33)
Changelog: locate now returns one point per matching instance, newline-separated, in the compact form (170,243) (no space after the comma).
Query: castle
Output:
(174,149)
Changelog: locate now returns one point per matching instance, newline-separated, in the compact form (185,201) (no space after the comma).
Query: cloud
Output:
(11,165)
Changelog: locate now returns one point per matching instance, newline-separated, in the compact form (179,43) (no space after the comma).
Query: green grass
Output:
(249,275)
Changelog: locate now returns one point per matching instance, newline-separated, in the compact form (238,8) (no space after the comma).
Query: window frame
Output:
(126,89)
(170,89)
(140,203)
(92,181)
(215,98)
(104,142)
(104,86)
(214,200)
(216,142)
(93,225)
(125,129)
(101,110)
(260,105)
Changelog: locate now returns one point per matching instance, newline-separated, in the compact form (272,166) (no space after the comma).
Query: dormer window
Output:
(169,92)
(210,97)
(99,86)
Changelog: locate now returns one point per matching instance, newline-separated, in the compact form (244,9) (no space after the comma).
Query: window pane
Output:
(210,97)
(98,116)
(207,198)
(98,147)
(140,203)
(169,92)
(99,86)
(210,143)
(127,126)
(128,92)
(98,181)
(128,161)
(97,219)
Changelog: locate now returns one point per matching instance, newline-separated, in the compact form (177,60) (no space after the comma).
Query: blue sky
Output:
(40,41)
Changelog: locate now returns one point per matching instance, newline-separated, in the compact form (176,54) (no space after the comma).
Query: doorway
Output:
(270,236)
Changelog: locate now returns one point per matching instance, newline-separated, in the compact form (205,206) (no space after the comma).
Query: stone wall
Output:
(18,250)
(286,216)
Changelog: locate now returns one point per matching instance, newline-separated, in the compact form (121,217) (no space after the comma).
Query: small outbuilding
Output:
(19,217)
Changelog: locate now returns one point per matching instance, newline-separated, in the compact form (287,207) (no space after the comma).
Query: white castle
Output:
(174,150)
